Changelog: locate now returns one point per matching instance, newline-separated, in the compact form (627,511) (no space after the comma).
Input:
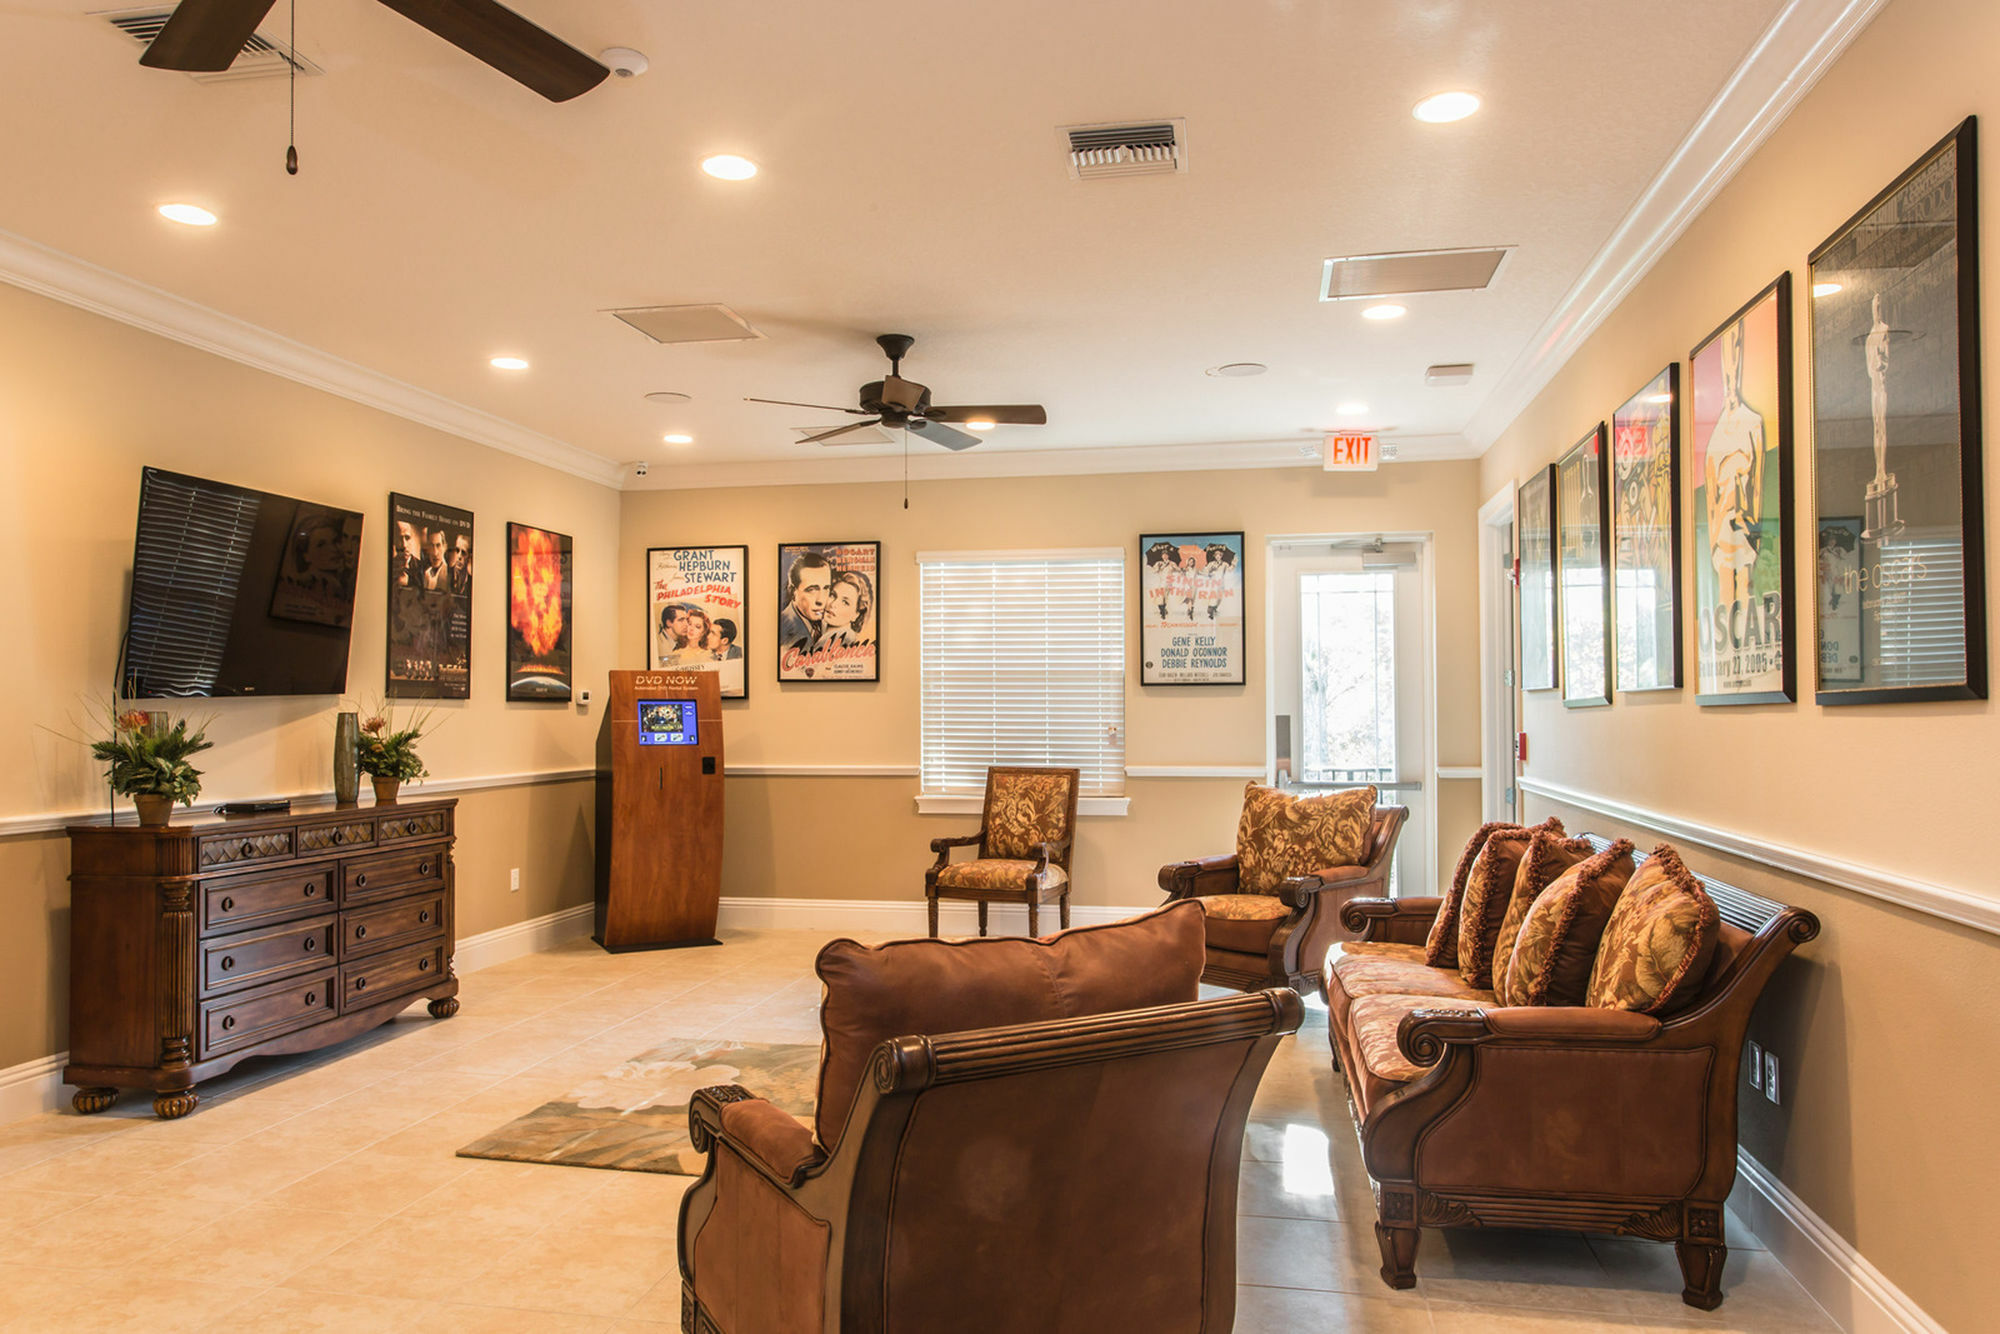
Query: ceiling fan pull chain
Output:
(906,469)
(292,97)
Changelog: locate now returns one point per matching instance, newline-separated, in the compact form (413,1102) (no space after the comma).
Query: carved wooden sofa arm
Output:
(1405,921)
(770,1139)
(1423,1035)
(1200,877)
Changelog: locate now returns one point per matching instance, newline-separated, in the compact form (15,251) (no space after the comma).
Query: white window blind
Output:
(1921,624)
(1023,663)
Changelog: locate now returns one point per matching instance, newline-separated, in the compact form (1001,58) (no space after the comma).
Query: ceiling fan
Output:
(893,401)
(205,35)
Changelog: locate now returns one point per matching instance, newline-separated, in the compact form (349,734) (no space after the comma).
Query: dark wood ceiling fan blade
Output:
(823,407)
(205,35)
(509,43)
(1006,414)
(826,437)
(940,434)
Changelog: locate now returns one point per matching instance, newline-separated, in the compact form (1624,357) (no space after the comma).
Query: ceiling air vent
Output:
(1407,272)
(261,58)
(688,324)
(1143,148)
(867,435)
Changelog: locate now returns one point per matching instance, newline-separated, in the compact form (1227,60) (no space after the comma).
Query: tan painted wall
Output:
(794,837)
(1890,1111)
(84,403)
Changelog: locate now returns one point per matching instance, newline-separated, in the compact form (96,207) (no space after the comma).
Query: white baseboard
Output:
(1858,1296)
(903,917)
(530,937)
(32,1087)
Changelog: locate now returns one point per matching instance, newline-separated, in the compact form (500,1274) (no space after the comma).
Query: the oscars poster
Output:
(1742,463)
(538,614)
(829,611)
(694,612)
(1191,609)
(430,600)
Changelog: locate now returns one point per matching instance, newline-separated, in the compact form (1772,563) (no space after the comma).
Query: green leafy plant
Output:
(389,751)
(145,760)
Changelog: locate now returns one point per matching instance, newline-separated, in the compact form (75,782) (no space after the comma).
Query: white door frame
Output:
(1498,696)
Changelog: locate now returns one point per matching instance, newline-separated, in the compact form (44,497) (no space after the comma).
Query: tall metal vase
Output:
(347,759)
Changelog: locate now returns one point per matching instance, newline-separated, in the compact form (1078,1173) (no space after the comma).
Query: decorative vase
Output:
(347,759)
(154,810)
(386,788)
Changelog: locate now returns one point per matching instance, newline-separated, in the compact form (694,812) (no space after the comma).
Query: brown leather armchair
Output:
(1259,940)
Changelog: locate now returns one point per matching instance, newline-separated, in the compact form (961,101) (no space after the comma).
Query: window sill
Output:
(936,804)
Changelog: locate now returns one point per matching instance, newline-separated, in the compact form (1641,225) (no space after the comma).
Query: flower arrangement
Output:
(148,759)
(389,751)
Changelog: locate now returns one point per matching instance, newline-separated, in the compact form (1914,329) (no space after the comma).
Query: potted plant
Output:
(147,759)
(388,753)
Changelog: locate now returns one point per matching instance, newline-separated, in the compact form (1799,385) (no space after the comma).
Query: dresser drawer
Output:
(336,837)
(367,982)
(366,931)
(216,851)
(260,956)
(394,827)
(385,875)
(251,1016)
(256,900)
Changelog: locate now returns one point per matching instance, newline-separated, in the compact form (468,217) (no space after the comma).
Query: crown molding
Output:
(1802,42)
(38,268)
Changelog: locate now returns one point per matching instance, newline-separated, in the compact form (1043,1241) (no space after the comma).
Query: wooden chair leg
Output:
(1399,1255)
(934,916)
(1701,1271)
(982,917)
(1062,905)
(1034,917)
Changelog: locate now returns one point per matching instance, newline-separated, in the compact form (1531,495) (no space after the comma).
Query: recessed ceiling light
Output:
(1657,398)
(509,363)
(1236,370)
(980,424)
(1351,409)
(676,438)
(1825,289)
(1443,108)
(729,167)
(1388,310)
(192,215)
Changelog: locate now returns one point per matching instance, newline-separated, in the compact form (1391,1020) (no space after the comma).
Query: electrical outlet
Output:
(514,881)
(1771,1075)
(1756,1067)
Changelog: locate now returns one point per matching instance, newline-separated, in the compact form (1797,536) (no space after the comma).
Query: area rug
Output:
(634,1118)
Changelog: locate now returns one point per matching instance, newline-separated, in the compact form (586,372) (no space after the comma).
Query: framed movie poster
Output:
(695,612)
(1583,569)
(1741,383)
(538,614)
(1535,524)
(430,600)
(1645,536)
(829,611)
(1896,441)
(1191,609)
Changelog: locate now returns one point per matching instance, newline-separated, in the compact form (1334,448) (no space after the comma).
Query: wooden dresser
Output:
(220,937)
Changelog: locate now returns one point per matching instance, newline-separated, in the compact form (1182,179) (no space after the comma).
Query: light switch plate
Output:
(1771,1075)
(1756,1064)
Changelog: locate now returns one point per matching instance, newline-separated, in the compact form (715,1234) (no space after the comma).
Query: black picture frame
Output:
(1904,268)
(1535,537)
(541,633)
(1583,561)
(428,646)
(716,580)
(1707,366)
(802,651)
(1644,480)
(1161,628)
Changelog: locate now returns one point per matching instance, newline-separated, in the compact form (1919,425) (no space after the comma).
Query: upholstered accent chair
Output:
(1279,939)
(1070,1171)
(1027,831)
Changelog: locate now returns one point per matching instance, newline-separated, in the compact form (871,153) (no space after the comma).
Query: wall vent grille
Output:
(261,58)
(1139,148)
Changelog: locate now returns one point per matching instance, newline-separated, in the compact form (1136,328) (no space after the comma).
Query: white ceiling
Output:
(913,181)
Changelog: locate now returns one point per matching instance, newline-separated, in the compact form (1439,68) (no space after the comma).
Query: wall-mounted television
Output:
(237,592)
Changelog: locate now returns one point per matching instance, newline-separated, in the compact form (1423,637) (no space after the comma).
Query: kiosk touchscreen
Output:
(659,802)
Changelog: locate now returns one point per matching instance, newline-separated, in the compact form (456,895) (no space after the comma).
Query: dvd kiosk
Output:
(659,811)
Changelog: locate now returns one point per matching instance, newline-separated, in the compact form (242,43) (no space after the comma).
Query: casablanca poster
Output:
(829,617)
(430,600)
(1742,462)
(694,612)
(1645,535)
(1191,609)
(538,614)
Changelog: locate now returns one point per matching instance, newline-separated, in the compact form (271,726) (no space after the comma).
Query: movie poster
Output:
(316,572)
(694,612)
(1536,521)
(1742,460)
(829,617)
(1645,535)
(1582,563)
(1191,609)
(538,614)
(430,600)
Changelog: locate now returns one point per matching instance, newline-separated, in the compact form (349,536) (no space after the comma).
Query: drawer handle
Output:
(248,847)
(423,965)
(361,880)
(312,998)
(228,962)
(227,903)
(360,933)
(423,868)
(338,836)
(312,888)
(228,1022)
(311,944)
(360,982)
(424,917)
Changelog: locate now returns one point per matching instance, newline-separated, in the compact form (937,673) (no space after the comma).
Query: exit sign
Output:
(1349,451)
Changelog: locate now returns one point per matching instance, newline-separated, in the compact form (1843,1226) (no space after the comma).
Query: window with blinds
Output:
(1023,663)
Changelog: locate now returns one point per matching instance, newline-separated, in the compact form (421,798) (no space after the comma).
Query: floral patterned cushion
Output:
(1243,922)
(1282,835)
(1549,855)
(1375,1019)
(1559,935)
(1027,808)
(1489,887)
(1356,968)
(1659,941)
(1441,947)
(994,873)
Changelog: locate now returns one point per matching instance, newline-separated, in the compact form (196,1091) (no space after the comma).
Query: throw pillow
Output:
(1659,941)
(1441,946)
(1559,935)
(1549,855)
(1282,835)
(1488,890)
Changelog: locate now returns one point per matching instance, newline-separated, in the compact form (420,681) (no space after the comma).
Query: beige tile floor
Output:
(322,1192)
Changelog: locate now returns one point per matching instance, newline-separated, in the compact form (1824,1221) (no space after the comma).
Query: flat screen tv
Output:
(237,592)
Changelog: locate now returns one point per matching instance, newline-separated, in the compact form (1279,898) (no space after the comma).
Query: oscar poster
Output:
(538,614)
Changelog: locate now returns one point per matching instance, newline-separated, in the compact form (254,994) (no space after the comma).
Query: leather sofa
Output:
(1474,1114)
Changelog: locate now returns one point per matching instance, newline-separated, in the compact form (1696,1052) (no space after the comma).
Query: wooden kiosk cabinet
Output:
(197,944)
(659,811)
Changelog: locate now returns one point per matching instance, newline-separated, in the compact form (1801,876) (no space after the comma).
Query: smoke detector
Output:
(623,61)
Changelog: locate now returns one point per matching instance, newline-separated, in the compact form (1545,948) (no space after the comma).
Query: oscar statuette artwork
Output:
(538,614)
